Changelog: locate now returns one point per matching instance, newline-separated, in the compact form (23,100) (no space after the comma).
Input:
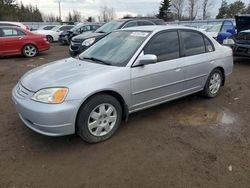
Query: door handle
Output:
(178,70)
(20,38)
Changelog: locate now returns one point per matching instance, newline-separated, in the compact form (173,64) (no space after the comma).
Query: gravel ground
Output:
(190,142)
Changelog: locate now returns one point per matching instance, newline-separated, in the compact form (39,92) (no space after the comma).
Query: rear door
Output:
(12,41)
(159,82)
(198,51)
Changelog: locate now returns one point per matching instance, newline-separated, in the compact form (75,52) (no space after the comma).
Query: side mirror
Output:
(146,60)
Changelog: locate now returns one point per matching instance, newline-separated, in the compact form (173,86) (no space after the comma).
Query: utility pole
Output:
(60,14)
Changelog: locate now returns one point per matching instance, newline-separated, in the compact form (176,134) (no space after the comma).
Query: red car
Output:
(17,41)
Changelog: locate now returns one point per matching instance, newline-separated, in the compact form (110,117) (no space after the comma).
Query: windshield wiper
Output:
(101,32)
(96,59)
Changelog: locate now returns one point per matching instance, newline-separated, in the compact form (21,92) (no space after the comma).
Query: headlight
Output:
(88,42)
(228,42)
(51,95)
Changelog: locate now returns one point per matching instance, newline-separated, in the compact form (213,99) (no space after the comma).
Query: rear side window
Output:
(164,45)
(9,32)
(48,27)
(209,45)
(65,28)
(131,24)
(193,43)
(94,27)
(142,23)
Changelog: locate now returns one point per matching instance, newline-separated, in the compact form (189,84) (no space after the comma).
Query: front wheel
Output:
(29,50)
(213,84)
(50,38)
(99,118)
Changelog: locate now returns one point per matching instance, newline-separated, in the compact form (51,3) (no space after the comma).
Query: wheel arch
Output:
(112,93)
(223,74)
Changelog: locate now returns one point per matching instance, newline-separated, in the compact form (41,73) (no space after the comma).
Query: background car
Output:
(16,24)
(222,31)
(85,40)
(66,36)
(46,27)
(53,34)
(240,42)
(17,41)
(127,71)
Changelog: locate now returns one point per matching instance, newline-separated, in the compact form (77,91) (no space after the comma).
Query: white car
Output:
(16,24)
(53,34)
(47,27)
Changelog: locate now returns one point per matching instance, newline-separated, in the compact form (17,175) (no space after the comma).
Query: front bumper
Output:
(64,40)
(76,48)
(46,119)
(241,50)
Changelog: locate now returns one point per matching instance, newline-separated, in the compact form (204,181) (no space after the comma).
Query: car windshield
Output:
(215,28)
(56,28)
(115,49)
(109,27)
(76,27)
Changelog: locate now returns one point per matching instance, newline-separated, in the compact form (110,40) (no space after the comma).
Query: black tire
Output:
(29,50)
(83,117)
(207,91)
(49,38)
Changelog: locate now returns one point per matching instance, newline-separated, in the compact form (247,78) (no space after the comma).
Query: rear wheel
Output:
(99,118)
(29,50)
(213,84)
(49,38)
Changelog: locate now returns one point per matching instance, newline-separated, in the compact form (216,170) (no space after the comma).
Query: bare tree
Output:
(49,17)
(177,6)
(192,9)
(107,14)
(76,16)
(206,4)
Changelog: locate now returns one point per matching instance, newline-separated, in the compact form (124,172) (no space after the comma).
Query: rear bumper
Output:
(44,47)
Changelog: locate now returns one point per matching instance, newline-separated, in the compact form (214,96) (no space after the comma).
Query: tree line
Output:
(171,10)
(11,10)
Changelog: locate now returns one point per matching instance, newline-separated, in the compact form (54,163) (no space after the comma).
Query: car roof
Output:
(12,27)
(157,28)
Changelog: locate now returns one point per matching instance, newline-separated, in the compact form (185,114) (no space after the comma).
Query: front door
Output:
(11,41)
(162,81)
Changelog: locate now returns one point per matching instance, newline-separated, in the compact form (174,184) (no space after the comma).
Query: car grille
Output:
(242,50)
(23,92)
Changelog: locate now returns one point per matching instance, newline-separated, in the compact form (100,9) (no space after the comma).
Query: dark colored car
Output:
(18,41)
(81,42)
(240,43)
(66,36)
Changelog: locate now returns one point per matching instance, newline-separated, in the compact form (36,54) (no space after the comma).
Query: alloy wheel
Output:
(215,83)
(30,50)
(102,119)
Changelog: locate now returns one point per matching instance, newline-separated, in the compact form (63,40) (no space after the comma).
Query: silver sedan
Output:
(127,71)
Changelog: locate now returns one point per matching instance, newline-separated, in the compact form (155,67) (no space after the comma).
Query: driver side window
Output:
(164,45)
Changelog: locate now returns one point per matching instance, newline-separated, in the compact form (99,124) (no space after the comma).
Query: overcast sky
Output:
(92,7)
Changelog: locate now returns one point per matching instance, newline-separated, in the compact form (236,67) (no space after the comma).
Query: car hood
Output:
(87,35)
(62,73)
(242,22)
